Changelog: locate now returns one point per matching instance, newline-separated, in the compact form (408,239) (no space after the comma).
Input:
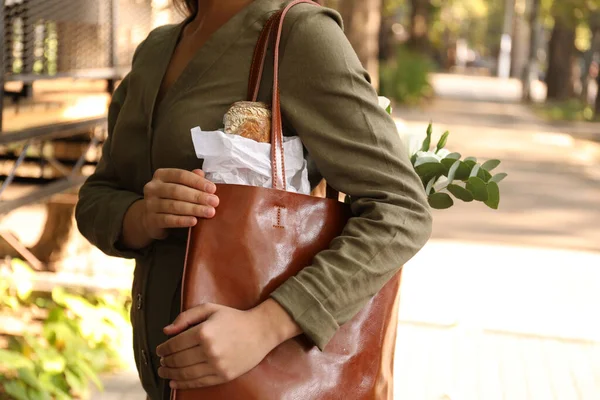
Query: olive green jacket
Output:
(327,100)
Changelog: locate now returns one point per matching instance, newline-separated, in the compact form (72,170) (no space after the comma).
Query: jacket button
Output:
(139,302)
(144,357)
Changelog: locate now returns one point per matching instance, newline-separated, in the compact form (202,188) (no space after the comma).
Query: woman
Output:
(148,187)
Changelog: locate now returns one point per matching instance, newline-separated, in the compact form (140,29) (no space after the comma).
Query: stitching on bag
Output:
(282,153)
(279,208)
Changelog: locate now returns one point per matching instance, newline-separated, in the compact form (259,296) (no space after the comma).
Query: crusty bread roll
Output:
(251,120)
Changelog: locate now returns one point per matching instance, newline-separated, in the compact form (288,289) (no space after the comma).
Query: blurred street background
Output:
(500,304)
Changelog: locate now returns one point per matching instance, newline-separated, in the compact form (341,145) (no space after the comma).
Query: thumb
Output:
(191,317)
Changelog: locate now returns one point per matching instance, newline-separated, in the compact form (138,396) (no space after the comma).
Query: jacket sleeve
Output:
(102,201)
(327,99)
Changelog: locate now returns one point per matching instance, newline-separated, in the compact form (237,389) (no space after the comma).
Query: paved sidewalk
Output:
(492,322)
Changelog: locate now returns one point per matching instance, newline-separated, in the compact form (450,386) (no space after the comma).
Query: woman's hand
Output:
(174,198)
(224,345)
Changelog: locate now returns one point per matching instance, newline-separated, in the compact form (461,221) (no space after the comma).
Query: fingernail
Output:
(210,212)
(213,201)
(162,362)
(170,326)
(210,188)
(172,384)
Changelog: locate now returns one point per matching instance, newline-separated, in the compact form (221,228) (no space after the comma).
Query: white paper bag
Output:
(237,160)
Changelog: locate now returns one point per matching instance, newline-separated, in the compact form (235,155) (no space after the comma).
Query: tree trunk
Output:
(594,24)
(420,19)
(560,61)
(386,49)
(598,99)
(362,21)
(521,41)
(531,68)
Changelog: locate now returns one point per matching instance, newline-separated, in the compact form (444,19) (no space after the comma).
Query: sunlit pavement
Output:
(499,322)
(500,304)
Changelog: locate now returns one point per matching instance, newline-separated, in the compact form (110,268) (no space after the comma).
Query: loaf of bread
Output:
(251,120)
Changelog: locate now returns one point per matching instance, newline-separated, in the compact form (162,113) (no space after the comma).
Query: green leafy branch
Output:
(465,179)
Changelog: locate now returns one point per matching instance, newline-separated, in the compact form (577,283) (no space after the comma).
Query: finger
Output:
(195,371)
(191,317)
(210,380)
(187,178)
(183,341)
(176,207)
(164,221)
(185,358)
(174,191)
(199,172)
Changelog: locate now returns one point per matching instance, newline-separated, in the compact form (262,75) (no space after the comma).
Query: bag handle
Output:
(260,52)
(275,22)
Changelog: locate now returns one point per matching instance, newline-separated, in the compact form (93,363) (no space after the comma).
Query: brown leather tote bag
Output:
(259,238)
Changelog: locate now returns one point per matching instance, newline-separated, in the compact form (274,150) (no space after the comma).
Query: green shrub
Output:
(81,335)
(406,79)
(569,110)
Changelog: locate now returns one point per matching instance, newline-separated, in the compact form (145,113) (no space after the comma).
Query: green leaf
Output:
(52,361)
(463,171)
(478,188)
(17,390)
(50,385)
(452,171)
(460,193)
(484,175)
(15,359)
(430,170)
(20,267)
(413,159)
(454,156)
(427,142)
(76,382)
(474,171)
(425,160)
(490,165)
(23,275)
(440,201)
(493,200)
(37,394)
(430,185)
(27,376)
(58,295)
(84,368)
(443,140)
(471,159)
(448,162)
(499,177)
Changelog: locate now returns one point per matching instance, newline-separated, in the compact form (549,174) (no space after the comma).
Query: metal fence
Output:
(55,38)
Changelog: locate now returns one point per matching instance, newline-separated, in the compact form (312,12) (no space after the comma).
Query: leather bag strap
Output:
(260,55)
(275,25)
